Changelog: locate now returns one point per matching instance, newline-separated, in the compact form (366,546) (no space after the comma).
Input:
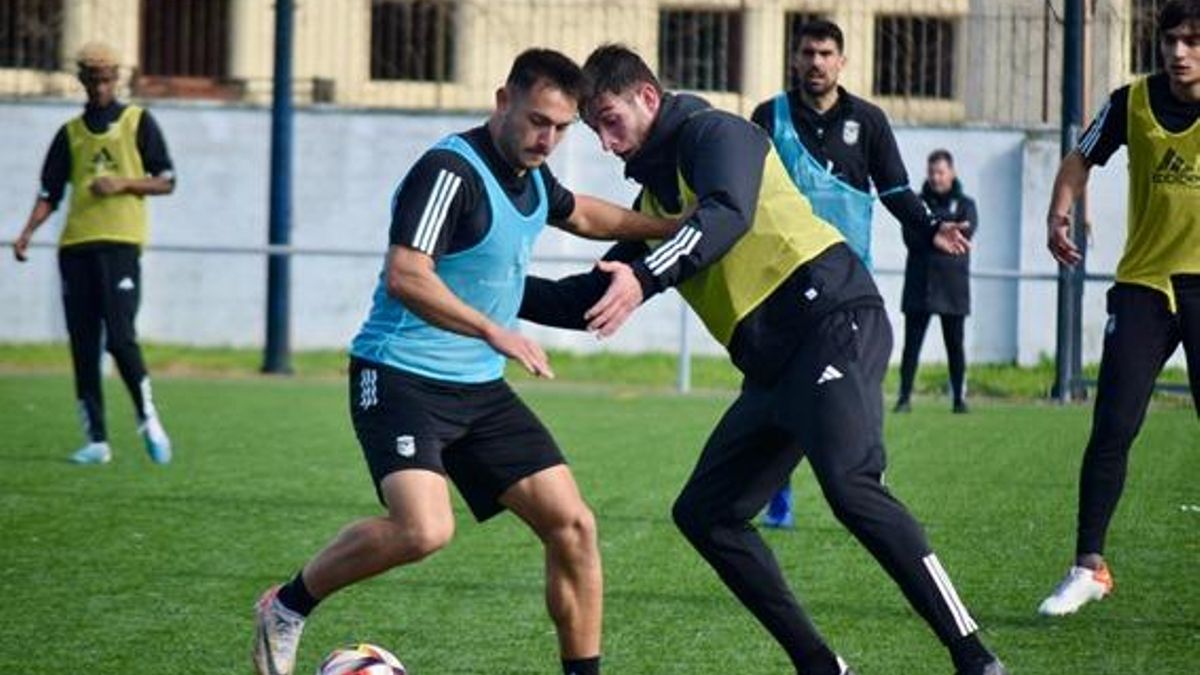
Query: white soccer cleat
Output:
(843,667)
(96,452)
(158,445)
(1081,586)
(276,635)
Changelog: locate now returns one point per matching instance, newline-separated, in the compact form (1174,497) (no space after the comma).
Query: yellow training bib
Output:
(118,218)
(1164,199)
(784,235)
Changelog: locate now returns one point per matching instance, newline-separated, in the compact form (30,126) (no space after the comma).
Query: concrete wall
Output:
(348,163)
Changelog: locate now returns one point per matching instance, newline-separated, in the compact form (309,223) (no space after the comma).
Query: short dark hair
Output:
(537,65)
(822,29)
(614,68)
(941,155)
(1177,12)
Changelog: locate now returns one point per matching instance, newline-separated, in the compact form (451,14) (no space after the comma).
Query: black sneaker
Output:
(960,408)
(902,406)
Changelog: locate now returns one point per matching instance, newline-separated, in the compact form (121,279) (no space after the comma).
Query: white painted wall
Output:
(348,162)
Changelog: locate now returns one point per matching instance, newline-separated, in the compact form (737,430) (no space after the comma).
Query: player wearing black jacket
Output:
(801,318)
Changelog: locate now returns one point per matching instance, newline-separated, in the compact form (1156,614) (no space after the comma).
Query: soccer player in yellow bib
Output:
(801,318)
(113,156)
(1155,303)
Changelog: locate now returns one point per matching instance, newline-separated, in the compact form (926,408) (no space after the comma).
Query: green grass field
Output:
(135,568)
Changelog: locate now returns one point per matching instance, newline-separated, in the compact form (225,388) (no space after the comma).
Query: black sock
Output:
(969,653)
(295,596)
(581,666)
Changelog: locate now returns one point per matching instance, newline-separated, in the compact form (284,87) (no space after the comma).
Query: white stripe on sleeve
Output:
(669,253)
(1092,136)
(434,215)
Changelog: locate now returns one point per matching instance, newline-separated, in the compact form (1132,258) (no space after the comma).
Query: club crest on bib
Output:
(850,132)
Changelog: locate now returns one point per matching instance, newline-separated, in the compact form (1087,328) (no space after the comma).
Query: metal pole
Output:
(277,352)
(683,380)
(1066,356)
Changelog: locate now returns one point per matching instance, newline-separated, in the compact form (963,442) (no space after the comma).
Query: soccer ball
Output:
(363,659)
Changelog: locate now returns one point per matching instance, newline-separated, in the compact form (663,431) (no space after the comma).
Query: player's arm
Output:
(921,229)
(597,219)
(412,279)
(1069,184)
(969,219)
(721,158)
(160,175)
(56,170)
(562,303)
(763,115)
(1104,135)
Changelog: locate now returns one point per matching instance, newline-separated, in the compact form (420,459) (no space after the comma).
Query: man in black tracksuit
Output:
(837,148)
(936,283)
(800,317)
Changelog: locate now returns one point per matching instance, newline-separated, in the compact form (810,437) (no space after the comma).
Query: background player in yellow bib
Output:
(1155,303)
(113,156)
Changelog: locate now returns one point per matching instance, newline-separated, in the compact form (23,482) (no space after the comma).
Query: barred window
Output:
(30,33)
(1144,55)
(700,49)
(185,39)
(412,40)
(793,22)
(914,56)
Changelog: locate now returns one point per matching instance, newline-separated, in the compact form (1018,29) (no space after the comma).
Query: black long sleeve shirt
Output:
(855,139)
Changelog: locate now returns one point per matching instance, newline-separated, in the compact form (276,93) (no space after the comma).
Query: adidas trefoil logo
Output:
(829,374)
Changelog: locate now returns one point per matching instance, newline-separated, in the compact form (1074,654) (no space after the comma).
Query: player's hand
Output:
(21,246)
(105,186)
(624,295)
(522,350)
(1058,240)
(951,239)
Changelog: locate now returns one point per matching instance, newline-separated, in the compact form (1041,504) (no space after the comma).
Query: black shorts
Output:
(480,435)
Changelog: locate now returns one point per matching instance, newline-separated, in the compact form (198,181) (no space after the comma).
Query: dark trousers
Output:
(830,404)
(1140,336)
(101,287)
(915,325)
(1187,302)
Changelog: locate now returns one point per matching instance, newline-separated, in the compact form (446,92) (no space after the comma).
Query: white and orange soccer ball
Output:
(362,659)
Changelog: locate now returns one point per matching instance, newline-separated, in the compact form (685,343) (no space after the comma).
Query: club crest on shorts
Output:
(406,446)
(850,132)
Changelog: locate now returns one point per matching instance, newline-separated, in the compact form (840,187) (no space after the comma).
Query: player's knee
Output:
(414,542)
(576,534)
(121,348)
(689,517)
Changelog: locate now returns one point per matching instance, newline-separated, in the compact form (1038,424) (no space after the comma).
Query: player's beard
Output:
(819,88)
